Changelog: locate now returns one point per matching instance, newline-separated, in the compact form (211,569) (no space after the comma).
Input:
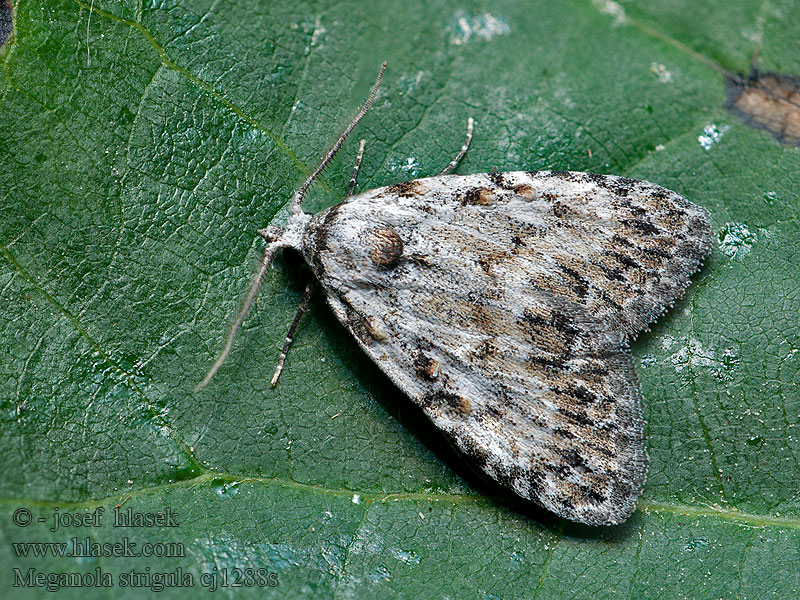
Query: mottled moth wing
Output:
(502,305)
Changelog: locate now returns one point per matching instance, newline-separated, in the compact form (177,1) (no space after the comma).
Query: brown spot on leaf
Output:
(769,101)
(386,247)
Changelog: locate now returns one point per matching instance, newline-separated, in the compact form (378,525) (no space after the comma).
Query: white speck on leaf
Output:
(410,82)
(485,26)
(405,556)
(409,165)
(736,240)
(661,72)
(693,355)
(712,134)
(607,7)
(319,31)
(647,360)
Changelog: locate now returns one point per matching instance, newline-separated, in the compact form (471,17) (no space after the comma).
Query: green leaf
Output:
(144,144)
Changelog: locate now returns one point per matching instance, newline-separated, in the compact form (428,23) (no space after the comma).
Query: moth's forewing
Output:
(502,304)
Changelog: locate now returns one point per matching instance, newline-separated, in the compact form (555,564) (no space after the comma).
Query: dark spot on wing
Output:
(478,455)
(597,178)
(618,239)
(485,263)
(592,494)
(562,470)
(579,393)
(386,246)
(497,178)
(621,186)
(550,197)
(405,189)
(624,260)
(480,196)
(558,363)
(573,458)
(642,225)
(443,399)
(656,252)
(636,211)
(524,191)
(426,367)
(558,320)
(601,449)
(578,417)
(561,210)
(563,323)
(535,481)
(659,193)
(321,236)
(611,273)
(577,282)
(567,175)
(540,328)
(564,433)
(608,299)
(487,349)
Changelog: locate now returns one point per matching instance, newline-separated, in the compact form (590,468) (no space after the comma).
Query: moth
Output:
(502,304)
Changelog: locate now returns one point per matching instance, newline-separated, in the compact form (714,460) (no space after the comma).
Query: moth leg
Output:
(454,163)
(352,185)
(289,336)
(251,296)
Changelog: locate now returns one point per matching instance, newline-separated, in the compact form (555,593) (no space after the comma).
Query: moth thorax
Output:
(386,247)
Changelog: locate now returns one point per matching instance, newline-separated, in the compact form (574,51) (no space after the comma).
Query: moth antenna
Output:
(290,336)
(298,199)
(269,253)
(352,185)
(454,163)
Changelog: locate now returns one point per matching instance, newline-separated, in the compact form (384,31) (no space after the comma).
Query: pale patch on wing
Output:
(504,313)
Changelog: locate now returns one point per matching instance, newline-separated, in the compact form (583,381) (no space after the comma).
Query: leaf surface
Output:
(144,144)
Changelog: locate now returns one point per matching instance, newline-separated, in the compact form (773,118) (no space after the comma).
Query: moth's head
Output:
(290,235)
(271,233)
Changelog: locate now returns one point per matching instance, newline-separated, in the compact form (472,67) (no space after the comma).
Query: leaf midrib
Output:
(221,477)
